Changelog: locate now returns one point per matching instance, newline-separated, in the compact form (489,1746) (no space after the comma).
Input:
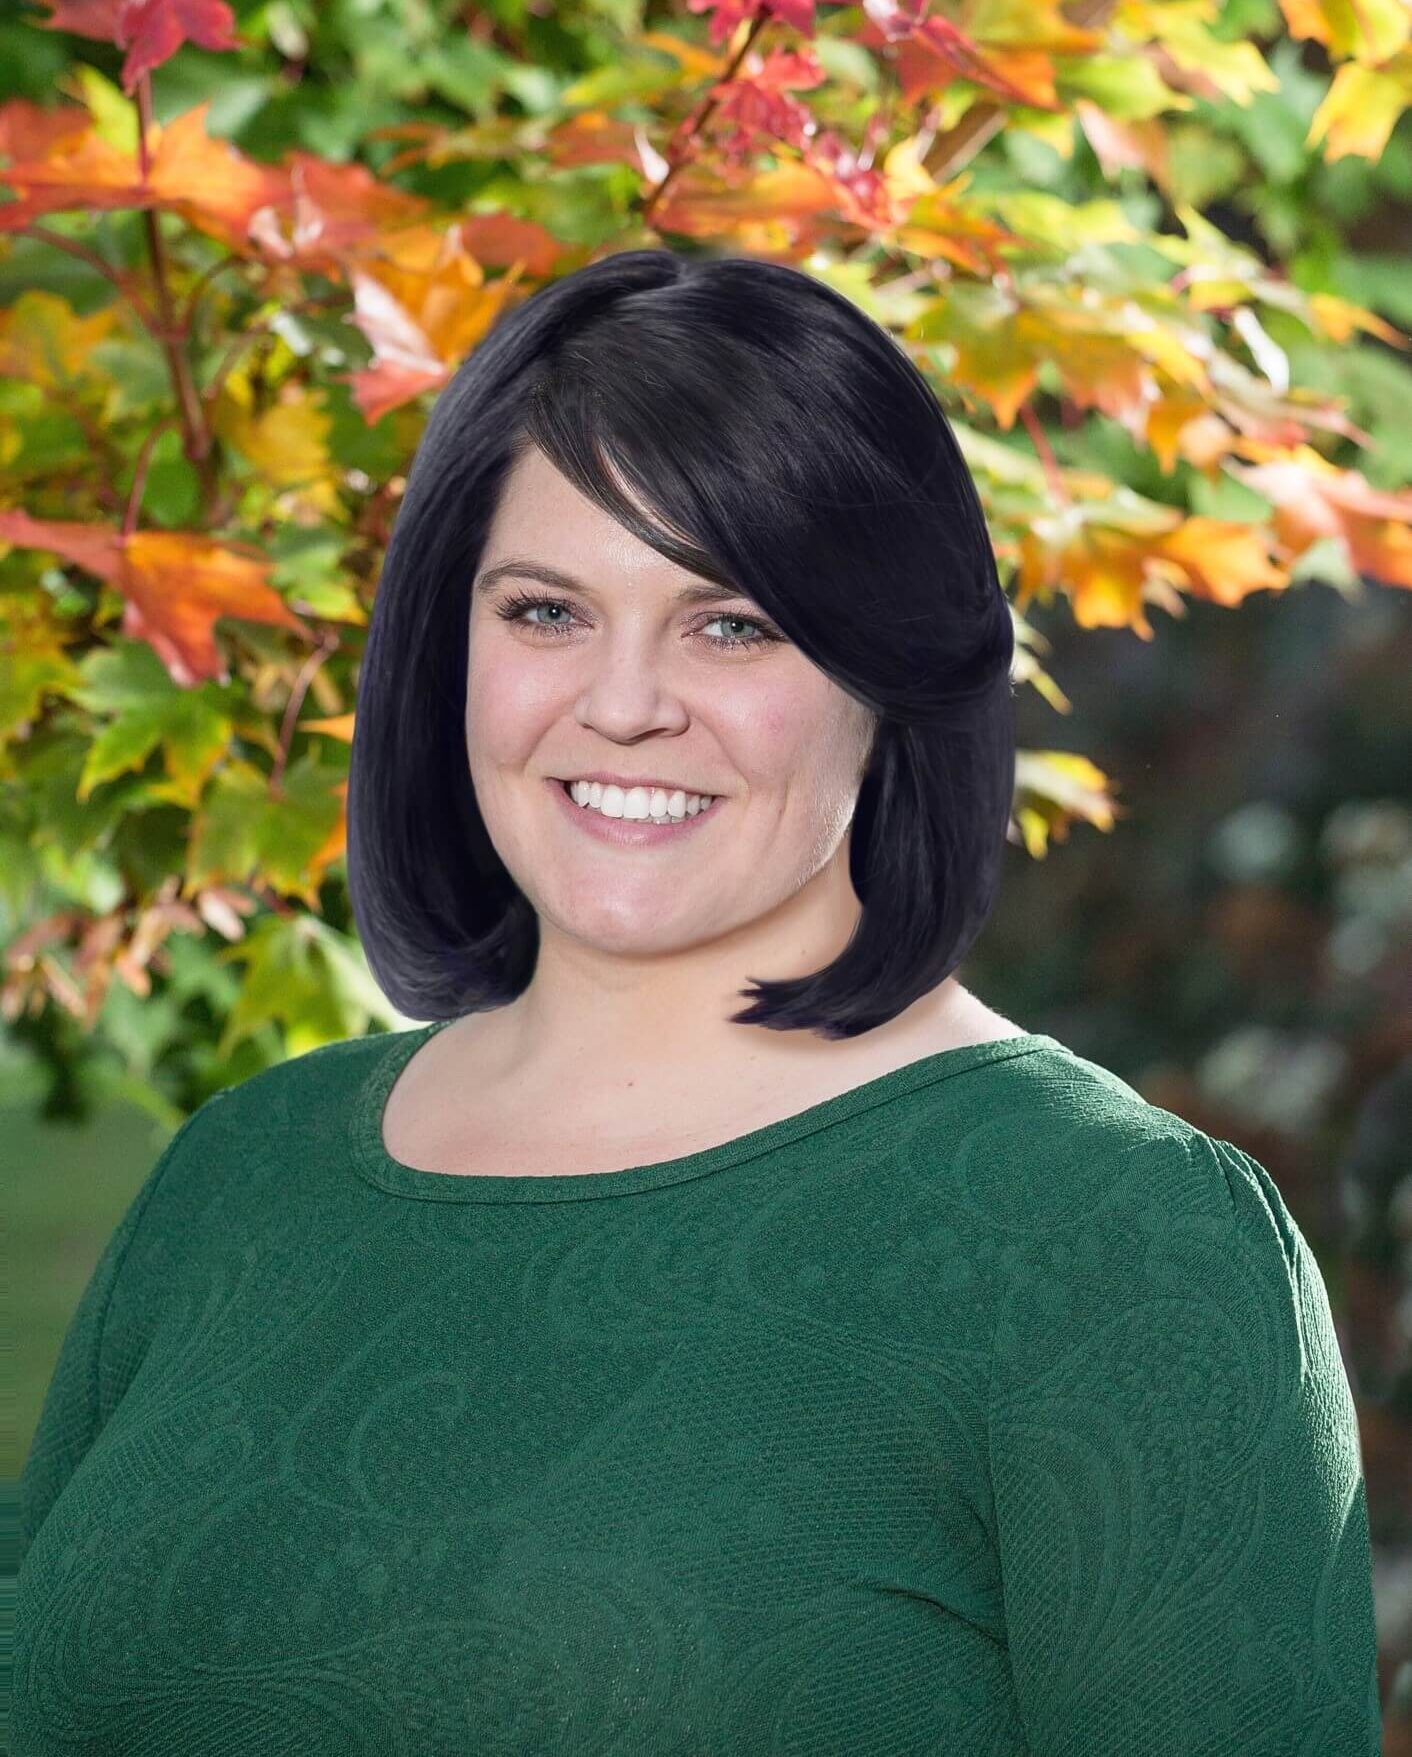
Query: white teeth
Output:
(643,804)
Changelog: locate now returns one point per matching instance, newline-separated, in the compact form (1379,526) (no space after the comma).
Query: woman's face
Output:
(627,679)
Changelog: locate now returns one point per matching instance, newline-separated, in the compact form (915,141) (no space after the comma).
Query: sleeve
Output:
(91,1372)
(1179,1499)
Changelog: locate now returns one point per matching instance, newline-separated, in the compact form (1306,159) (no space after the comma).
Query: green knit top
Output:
(985,1408)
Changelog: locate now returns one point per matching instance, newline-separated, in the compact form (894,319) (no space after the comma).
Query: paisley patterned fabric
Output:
(985,1409)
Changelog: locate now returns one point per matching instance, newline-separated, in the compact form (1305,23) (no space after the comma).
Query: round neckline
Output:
(376,1165)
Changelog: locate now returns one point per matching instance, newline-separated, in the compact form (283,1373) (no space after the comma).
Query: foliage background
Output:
(1152,257)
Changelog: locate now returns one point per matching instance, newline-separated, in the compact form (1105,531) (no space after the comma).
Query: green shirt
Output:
(984,1408)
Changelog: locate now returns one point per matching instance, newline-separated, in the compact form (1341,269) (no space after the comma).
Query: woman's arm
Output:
(93,1366)
(1180,1504)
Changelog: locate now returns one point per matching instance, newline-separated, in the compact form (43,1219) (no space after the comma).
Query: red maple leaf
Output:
(150,30)
(153,30)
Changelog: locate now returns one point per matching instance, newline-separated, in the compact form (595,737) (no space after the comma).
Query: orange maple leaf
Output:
(1112,565)
(423,302)
(33,129)
(326,213)
(1314,499)
(176,584)
(1221,560)
(190,173)
(929,53)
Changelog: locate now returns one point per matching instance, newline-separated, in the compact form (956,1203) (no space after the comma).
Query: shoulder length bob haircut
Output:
(792,451)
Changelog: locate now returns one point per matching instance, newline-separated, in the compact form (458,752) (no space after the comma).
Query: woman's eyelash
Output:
(512,609)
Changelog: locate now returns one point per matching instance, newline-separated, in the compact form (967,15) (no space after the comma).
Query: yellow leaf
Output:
(1184,426)
(698,62)
(1361,108)
(906,172)
(1363,30)
(1339,318)
(1030,24)
(286,445)
(1055,788)
(43,339)
(1181,26)
(339,726)
(1057,132)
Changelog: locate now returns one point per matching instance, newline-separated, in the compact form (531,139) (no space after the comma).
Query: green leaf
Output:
(1126,86)
(299,973)
(171,495)
(50,769)
(642,74)
(465,72)
(378,449)
(114,115)
(53,442)
(147,711)
(247,834)
(1060,224)
(848,63)
(1205,164)
(137,374)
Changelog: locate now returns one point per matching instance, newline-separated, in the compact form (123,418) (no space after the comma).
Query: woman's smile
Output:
(629,832)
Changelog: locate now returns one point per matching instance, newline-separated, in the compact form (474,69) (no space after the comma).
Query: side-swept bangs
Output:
(755,427)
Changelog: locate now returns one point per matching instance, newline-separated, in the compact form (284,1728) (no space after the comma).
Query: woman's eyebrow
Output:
(707,592)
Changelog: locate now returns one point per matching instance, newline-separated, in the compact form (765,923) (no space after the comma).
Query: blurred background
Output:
(1153,260)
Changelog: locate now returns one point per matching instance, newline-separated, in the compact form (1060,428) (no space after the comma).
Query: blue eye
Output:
(515,607)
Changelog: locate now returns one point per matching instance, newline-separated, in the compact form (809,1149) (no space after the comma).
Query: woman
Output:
(584,1372)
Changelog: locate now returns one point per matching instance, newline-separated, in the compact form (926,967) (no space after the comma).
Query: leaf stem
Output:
(199,287)
(72,247)
(195,434)
(1052,472)
(139,476)
(328,644)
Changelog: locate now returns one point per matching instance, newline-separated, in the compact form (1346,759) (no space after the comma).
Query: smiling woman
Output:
(583,1372)
(703,521)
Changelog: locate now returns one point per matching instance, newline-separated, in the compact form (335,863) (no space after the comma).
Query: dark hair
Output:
(798,456)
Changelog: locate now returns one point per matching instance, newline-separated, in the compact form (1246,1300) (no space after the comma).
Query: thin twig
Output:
(139,476)
(261,327)
(200,285)
(1052,472)
(146,316)
(196,438)
(693,125)
(328,644)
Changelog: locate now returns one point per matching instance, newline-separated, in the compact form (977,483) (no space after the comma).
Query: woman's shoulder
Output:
(1111,1210)
(259,1130)
(309,1082)
(1062,1140)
